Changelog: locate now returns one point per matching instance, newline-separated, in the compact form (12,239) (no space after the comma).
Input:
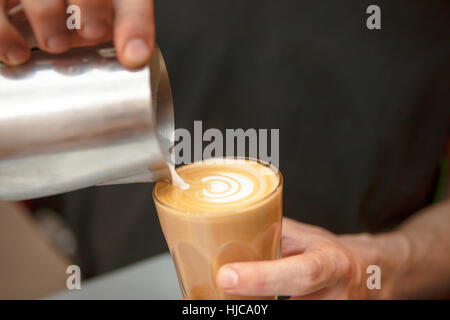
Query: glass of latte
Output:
(230,210)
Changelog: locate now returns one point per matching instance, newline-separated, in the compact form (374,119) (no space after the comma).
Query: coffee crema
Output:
(217,185)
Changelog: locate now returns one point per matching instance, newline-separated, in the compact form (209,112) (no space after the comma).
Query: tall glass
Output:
(201,242)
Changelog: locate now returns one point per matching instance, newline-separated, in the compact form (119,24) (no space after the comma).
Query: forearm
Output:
(416,256)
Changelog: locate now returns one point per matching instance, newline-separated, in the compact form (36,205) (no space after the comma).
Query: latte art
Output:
(226,188)
(216,185)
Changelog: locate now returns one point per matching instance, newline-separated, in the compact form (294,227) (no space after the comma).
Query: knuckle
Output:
(344,265)
(312,272)
(339,266)
(40,12)
(44,10)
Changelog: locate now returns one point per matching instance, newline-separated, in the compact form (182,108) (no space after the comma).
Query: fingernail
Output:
(227,278)
(136,52)
(94,30)
(58,44)
(16,56)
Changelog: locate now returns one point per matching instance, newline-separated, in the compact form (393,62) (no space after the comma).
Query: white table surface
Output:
(154,278)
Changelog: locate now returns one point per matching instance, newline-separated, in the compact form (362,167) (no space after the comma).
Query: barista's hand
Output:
(316,264)
(129,23)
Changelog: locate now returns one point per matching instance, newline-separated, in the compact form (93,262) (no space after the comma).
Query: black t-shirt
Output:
(364,115)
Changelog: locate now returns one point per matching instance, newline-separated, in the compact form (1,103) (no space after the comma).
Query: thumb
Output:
(292,276)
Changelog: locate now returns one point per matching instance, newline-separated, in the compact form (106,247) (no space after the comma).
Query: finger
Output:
(48,20)
(293,227)
(134,31)
(297,237)
(292,276)
(96,19)
(13,48)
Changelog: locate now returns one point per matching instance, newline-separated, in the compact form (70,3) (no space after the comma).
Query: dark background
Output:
(364,116)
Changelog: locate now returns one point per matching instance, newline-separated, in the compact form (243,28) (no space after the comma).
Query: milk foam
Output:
(217,185)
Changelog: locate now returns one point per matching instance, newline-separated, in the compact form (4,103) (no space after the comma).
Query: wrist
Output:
(391,253)
(395,255)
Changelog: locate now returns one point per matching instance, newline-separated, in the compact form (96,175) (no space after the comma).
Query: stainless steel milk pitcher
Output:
(80,119)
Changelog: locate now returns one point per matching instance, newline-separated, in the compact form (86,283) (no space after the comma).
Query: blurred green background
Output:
(440,194)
